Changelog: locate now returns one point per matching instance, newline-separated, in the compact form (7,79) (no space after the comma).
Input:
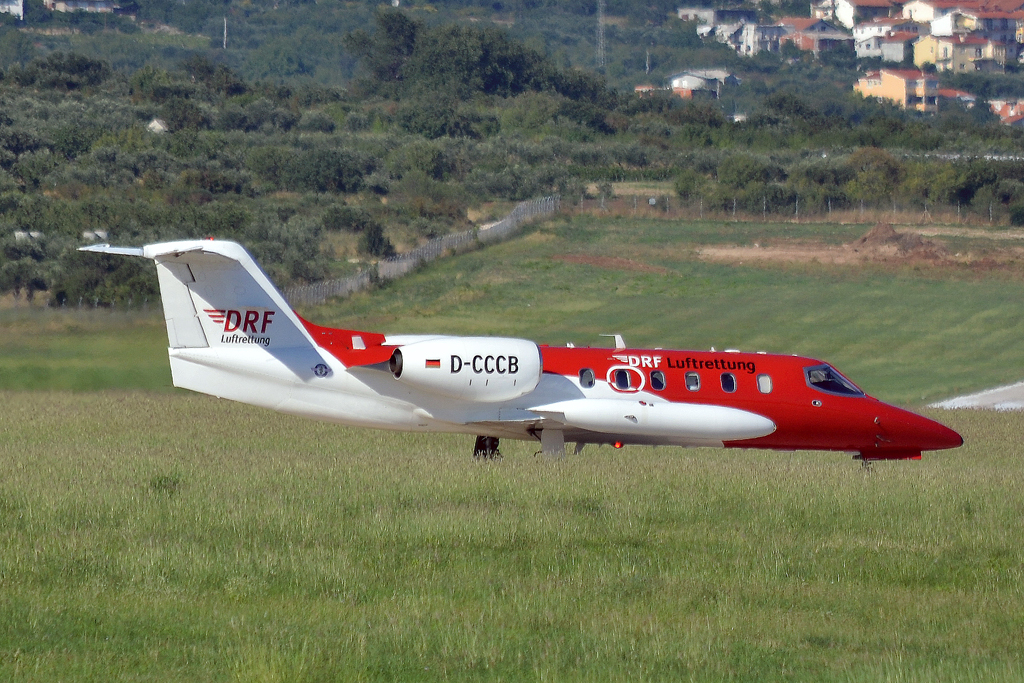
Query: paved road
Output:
(1010,397)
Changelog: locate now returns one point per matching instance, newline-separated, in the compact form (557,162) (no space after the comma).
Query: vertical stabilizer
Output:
(230,333)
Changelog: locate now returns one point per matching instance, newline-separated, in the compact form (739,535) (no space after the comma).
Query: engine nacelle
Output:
(488,369)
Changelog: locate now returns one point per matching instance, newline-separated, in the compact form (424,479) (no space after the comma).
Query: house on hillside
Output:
(849,13)
(714,17)
(908,89)
(891,47)
(1010,112)
(897,47)
(749,39)
(824,9)
(999,27)
(927,11)
(961,96)
(930,10)
(961,53)
(883,26)
(701,82)
(814,35)
(104,6)
(15,7)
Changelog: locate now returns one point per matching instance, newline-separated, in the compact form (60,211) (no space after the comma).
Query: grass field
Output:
(171,537)
(160,536)
(87,350)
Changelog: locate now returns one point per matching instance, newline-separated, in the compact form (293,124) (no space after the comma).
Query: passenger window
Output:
(764,384)
(622,379)
(728,382)
(657,380)
(587,378)
(692,381)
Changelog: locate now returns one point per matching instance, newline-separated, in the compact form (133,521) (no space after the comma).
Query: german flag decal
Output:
(434,363)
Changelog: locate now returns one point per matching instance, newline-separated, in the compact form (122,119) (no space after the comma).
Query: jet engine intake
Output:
(487,369)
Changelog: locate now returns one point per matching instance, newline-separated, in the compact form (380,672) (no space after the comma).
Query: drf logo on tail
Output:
(245,321)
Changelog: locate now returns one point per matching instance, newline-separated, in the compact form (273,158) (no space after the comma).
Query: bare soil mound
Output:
(883,240)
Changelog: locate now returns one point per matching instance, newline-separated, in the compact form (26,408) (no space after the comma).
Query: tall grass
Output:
(169,537)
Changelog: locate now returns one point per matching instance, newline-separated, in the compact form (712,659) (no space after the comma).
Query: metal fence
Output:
(397,266)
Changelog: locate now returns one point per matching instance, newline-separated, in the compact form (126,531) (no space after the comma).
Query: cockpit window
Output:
(826,378)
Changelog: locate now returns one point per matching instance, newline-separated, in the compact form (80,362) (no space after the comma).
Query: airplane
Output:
(231,334)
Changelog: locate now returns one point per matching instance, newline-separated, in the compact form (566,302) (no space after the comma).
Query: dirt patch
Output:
(611,263)
(882,244)
(882,241)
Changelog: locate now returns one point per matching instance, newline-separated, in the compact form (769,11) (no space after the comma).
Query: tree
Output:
(877,174)
(739,170)
(375,243)
(387,50)
(689,184)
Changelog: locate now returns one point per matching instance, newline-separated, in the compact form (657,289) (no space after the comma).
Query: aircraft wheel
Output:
(486,448)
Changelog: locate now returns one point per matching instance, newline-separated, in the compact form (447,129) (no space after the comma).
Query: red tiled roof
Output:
(1000,5)
(907,74)
(799,23)
(991,14)
(953,94)
(953,4)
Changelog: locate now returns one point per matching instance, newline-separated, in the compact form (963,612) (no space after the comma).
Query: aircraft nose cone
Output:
(916,432)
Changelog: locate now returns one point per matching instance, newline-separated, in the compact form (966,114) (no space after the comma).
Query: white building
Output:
(15,7)
(882,26)
(927,11)
(749,39)
(849,13)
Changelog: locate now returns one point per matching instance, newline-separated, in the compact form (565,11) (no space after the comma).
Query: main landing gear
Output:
(486,448)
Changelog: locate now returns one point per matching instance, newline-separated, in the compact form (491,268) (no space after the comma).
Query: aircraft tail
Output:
(226,321)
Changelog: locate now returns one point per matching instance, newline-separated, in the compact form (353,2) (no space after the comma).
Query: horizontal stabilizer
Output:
(107,249)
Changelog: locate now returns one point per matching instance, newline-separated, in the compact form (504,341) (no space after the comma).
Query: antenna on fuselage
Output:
(620,345)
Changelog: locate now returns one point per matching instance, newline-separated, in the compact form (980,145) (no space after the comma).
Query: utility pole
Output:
(600,34)
(225,31)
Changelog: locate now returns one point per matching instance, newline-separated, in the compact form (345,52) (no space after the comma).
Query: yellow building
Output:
(908,89)
(960,53)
